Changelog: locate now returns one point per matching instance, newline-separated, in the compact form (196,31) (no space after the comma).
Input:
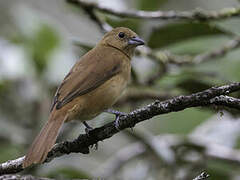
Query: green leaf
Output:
(150,5)
(231,25)
(42,44)
(177,32)
(84,46)
(220,170)
(198,45)
(192,85)
(4,85)
(180,122)
(133,24)
(188,81)
(67,173)
(38,44)
(9,151)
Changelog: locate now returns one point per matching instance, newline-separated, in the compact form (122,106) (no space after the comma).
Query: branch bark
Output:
(167,57)
(18,177)
(164,58)
(139,148)
(197,14)
(202,176)
(214,95)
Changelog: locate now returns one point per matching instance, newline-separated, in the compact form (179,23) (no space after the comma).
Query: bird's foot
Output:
(118,114)
(88,129)
(115,112)
(116,122)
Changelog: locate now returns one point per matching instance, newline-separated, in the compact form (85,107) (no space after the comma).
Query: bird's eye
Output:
(121,35)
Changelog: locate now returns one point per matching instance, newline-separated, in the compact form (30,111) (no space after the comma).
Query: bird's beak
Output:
(135,41)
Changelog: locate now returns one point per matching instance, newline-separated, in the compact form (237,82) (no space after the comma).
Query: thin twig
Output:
(164,57)
(24,177)
(202,176)
(84,141)
(120,158)
(211,151)
(167,57)
(105,27)
(154,147)
(197,14)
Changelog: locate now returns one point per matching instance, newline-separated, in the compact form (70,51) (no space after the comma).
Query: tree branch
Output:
(105,27)
(210,151)
(197,14)
(164,57)
(19,177)
(84,141)
(202,176)
(167,57)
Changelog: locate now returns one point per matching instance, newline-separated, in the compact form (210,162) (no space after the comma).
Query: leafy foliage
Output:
(166,35)
(25,99)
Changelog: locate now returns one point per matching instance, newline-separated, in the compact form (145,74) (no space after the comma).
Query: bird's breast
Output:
(93,103)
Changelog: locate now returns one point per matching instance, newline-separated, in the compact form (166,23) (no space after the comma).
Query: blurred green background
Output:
(38,47)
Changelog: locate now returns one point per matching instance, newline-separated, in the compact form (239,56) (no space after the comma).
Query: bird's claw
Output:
(88,129)
(95,146)
(118,114)
(116,123)
(115,112)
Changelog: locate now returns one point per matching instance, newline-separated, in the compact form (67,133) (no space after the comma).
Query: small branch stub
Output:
(202,176)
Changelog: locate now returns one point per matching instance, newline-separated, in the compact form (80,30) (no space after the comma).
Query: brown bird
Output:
(93,84)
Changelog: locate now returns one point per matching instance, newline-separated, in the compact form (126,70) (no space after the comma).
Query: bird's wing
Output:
(86,75)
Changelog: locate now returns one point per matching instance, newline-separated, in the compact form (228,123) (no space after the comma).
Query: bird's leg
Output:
(87,127)
(118,114)
(115,112)
(87,130)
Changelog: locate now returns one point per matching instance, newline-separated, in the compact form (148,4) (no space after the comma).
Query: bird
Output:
(94,84)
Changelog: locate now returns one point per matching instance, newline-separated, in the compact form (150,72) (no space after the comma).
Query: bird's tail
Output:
(45,140)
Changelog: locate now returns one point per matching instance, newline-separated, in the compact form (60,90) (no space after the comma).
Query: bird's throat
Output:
(128,56)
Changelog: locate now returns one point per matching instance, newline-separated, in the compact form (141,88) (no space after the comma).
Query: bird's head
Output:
(123,39)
